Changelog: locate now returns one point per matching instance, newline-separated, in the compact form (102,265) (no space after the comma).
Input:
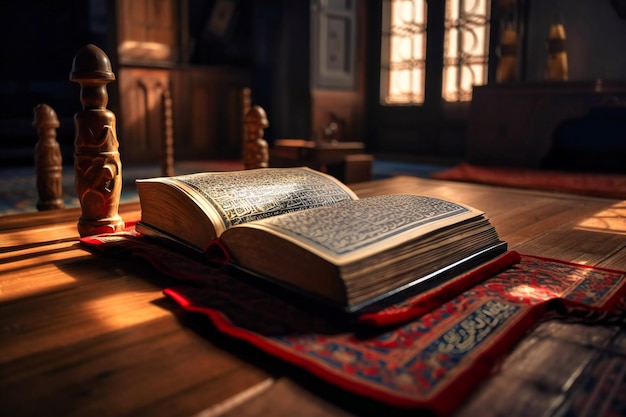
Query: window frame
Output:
(435,35)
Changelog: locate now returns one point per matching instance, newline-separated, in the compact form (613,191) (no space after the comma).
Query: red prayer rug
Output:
(428,352)
(583,183)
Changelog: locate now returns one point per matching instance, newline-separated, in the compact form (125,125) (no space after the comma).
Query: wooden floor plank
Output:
(120,372)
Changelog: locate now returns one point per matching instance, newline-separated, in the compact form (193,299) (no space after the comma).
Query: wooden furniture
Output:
(48,159)
(146,52)
(152,61)
(513,124)
(83,334)
(345,160)
(206,112)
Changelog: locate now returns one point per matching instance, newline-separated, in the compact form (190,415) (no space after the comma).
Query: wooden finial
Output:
(256,153)
(97,163)
(48,159)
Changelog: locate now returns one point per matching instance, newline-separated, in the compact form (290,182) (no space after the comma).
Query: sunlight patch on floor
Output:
(611,220)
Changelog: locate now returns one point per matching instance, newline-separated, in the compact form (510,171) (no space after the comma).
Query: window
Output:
(403,50)
(466,48)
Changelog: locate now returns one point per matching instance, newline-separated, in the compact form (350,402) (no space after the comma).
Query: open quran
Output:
(309,233)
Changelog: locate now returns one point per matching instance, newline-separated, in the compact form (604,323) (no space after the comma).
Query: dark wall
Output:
(38,40)
(271,38)
(232,47)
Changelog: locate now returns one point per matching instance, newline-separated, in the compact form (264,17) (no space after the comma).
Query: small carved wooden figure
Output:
(48,159)
(256,153)
(97,163)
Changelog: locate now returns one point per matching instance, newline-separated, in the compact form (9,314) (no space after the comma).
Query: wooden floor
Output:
(84,335)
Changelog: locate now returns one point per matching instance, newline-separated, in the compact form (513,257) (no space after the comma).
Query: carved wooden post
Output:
(255,153)
(167,147)
(97,163)
(48,159)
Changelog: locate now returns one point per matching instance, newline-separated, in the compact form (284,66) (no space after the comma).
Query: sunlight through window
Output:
(111,310)
(466,48)
(403,52)
(612,220)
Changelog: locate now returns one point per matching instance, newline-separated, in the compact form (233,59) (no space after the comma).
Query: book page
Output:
(239,197)
(356,229)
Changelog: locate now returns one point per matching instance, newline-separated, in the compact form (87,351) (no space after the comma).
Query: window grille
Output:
(403,50)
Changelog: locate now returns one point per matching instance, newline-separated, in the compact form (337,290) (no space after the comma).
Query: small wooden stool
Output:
(358,168)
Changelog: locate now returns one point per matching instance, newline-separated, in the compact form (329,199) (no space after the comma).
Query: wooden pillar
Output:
(97,163)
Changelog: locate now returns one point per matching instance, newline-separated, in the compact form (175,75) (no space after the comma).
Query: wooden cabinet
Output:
(141,118)
(149,32)
(206,101)
(153,56)
(513,125)
(207,109)
(147,47)
(208,112)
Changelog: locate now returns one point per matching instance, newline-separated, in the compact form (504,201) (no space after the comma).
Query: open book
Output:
(308,232)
